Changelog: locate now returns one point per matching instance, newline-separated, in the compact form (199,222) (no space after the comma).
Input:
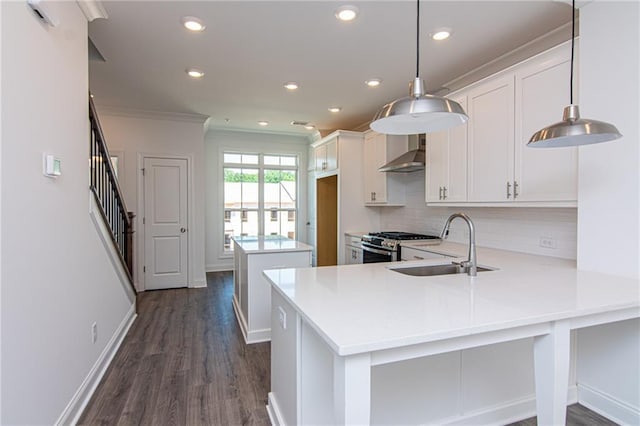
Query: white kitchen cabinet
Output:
(339,198)
(352,250)
(326,155)
(446,163)
(412,253)
(542,92)
(381,188)
(504,112)
(490,138)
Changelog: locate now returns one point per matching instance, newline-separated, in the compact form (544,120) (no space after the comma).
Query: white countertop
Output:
(363,308)
(269,244)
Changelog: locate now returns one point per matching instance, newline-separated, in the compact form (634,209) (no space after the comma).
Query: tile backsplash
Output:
(519,229)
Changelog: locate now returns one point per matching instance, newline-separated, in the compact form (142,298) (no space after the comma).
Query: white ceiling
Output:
(250,48)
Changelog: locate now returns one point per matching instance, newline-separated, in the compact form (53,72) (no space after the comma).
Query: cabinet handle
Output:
(444,192)
(440,193)
(373,196)
(515,189)
(508,190)
(418,257)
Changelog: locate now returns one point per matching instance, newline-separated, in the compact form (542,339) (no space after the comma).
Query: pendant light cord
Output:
(418,40)
(573,41)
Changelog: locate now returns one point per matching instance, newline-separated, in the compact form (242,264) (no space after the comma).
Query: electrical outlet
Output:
(282,317)
(94,332)
(548,242)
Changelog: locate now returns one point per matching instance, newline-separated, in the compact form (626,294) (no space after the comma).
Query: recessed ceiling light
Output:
(263,123)
(309,127)
(335,109)
(441,34)
(347,13)
(291,85)
(374,82)
(194,72)
(193,24)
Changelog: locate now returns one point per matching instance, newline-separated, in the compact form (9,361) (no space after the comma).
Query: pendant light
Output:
(573,130)
(418,112)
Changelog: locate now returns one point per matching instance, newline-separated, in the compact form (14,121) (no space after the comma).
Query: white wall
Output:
(57,278)
(608,194)
(137,133)
(216,142)
(509,228)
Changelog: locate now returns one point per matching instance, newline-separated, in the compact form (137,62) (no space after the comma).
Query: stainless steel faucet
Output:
(471,264)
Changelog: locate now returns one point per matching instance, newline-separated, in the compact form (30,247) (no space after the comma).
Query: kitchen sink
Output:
(431,270)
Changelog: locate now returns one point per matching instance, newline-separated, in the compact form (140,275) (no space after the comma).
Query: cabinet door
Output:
(437,163)
(490,137)
(541,95)
(456,179)
(332,154)
(352,255)
(321,157)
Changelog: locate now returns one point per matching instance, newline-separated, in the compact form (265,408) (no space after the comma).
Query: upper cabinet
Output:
(490,136)
(446,168)
(542,92)
(504,111)
(382,188)
(326,155)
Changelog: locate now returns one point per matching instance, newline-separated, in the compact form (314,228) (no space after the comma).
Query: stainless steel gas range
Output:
(386,246)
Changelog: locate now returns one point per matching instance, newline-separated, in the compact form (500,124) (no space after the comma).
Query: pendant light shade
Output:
(419,112)
(573,130)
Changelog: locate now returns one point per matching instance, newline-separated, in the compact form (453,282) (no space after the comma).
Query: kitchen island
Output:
(363,344)
(252,293)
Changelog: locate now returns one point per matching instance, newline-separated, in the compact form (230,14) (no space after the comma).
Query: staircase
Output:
(108,196)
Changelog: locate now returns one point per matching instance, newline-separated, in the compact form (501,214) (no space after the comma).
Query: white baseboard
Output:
(202,283)
(218,268)
(76,406)
(275,415)
(509,412)
(250,336)
(608,406)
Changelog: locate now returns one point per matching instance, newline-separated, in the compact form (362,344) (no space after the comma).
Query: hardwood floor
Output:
(184,362)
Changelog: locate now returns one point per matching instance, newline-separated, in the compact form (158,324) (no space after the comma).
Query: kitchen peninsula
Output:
(365,344)
(252,293)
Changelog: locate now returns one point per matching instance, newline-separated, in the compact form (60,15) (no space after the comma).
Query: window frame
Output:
(262,167)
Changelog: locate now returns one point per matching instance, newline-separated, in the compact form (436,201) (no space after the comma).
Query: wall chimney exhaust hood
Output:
(411,161)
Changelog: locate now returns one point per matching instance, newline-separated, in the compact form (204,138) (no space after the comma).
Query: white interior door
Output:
(165,219)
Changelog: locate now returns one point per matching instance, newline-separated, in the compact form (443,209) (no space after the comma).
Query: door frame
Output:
(139,243)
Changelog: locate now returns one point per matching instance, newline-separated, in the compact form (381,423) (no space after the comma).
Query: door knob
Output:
(183,230)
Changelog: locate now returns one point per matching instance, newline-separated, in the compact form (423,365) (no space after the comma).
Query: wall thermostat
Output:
(51,166)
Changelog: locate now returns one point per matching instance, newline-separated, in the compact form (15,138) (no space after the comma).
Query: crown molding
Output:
(92,9)
(216,128)
(152,115)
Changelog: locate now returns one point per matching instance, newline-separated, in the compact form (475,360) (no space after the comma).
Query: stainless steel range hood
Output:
(411,161)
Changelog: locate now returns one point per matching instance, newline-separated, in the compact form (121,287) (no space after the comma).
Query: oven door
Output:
(374,254)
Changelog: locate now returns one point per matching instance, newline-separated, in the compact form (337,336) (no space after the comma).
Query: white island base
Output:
(451,350)
(252,292)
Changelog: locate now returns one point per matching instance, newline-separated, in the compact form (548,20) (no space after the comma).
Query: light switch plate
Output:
(282,317)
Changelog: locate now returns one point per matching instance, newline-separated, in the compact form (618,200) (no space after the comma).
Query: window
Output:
(260,195)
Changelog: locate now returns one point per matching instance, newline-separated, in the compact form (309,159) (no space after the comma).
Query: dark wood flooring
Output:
(184,362)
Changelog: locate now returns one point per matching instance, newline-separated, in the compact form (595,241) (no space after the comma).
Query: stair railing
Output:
(105,188)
